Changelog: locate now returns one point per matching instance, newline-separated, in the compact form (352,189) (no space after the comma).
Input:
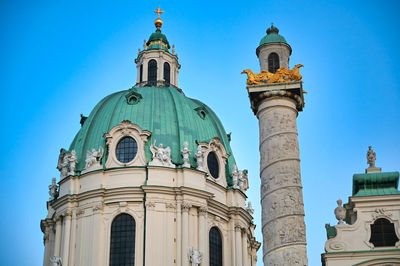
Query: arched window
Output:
(167,75)
(383,234)
(122,250)
(273,62)
(141,73)
(215,247)
(152,72)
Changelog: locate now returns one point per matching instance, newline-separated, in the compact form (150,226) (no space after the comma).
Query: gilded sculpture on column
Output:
(281,75)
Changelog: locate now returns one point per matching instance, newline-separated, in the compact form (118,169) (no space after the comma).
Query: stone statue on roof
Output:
(199,155)
(185,154)
(371,157)
(93,156)
(161,155)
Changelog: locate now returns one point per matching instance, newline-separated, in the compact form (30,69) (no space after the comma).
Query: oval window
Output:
(212,163)
(126,150)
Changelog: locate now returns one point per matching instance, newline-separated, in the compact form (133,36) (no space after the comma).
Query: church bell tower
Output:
(276,97)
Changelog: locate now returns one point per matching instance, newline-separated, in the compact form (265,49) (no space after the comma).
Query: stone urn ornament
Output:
(340,212)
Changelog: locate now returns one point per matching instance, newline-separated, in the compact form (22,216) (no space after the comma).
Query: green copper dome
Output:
(166,112)
(273,36)
(155,40)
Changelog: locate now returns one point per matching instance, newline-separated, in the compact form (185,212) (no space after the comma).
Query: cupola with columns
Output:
(156,65)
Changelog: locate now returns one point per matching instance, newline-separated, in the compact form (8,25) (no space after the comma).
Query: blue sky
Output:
(59,58)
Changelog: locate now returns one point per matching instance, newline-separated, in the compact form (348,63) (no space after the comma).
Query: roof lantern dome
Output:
(273,36)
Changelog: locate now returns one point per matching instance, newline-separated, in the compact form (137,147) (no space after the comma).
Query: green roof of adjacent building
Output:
(273,36)
(166,112)
(375,184)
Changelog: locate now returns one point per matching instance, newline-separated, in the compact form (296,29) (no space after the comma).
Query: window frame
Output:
(273,62)
(111,239)
(217,230)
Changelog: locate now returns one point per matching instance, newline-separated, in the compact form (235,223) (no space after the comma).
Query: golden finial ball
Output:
(158,22)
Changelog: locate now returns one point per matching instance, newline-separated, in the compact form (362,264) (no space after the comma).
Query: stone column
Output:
(57,241)
(238,245)
(244,249)
(73,238)
(284,235)
(185,233)
(232,230)
(67,233)
(48,240)
(178,233)
(203,234)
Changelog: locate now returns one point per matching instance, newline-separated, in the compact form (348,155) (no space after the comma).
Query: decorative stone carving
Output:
(283,202)
(290,229)
(249,208)
(53,189)
(203,210)
(150,204)
(186,206)
(279,176)
(56,261)
(185,154)
(161,156)
(98,207)
(340,212)
(66,163)
(243,181)
(93,157)
(235,177)
(170,205)
(381,212)
(195,256)
(80,212)
(371,157)
(199,155)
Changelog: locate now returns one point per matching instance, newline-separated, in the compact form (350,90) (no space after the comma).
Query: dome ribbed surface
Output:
(167,113)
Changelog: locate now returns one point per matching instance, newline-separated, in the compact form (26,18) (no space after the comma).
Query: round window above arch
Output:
(212,164)
(126,149)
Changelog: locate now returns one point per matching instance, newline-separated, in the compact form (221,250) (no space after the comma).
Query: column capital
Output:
(292,90)
(203,210)
(67,213)
(238,228)
(186,206)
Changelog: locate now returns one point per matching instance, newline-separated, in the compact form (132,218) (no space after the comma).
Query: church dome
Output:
(166,112)
(273,36)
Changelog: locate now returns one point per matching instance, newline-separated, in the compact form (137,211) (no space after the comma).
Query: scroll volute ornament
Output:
(281,75)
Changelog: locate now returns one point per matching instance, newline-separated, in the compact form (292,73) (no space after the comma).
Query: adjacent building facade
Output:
(368,229)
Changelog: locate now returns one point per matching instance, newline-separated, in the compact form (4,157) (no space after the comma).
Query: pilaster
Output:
(185,232)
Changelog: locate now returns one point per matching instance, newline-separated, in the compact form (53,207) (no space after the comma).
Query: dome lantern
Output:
(273,51)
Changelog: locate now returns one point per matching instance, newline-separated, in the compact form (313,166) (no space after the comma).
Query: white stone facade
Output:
(352,246)
(173,208)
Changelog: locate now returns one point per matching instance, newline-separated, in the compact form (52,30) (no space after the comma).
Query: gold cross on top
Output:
(158,11)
